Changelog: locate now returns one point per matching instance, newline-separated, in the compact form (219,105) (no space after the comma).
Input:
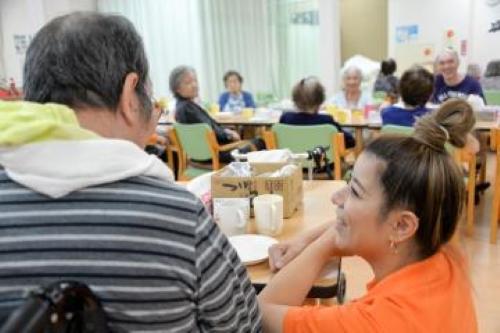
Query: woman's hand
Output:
(282,253)
(233,134)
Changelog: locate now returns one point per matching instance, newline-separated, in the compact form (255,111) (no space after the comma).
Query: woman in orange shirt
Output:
(398,212)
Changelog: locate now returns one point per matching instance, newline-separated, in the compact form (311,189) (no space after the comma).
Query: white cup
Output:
(232,215)
(268,209)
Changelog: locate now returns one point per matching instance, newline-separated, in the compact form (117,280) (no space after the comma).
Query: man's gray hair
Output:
(82,59)
(176,77)
(449,51)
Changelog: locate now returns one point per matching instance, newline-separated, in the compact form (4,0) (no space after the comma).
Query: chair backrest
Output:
(395,129)
(193,140)
(379,96)
(300,139)
(492,97)
(406,130)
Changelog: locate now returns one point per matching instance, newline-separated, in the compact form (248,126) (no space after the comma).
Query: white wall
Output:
(469,19)
(25,17)
(433,18)
(329,52)
(2,68)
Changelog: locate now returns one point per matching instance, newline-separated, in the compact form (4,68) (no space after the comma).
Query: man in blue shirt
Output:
(416,88)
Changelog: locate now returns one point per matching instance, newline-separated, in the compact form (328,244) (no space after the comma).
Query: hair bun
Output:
(450,123)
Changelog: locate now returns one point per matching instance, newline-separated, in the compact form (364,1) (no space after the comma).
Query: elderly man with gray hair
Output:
(81,200)
(449,83)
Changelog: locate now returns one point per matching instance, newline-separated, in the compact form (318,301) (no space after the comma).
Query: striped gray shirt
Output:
(147,249)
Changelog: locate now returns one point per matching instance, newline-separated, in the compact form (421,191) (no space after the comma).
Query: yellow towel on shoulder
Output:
(26,122)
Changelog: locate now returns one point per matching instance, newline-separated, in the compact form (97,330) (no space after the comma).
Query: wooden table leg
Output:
(358,135)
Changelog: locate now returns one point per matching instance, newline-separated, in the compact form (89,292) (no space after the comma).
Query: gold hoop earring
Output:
(394,246)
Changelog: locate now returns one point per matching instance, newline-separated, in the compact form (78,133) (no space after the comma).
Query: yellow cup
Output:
(214,108)
(247,113)
(162,102)
(357,115)
(331,110)
(341,116)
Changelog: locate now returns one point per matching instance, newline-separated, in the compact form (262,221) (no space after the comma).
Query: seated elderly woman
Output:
(184,85)
(382,218)
(416,88)
(235,99)
(351,96)
(308,95)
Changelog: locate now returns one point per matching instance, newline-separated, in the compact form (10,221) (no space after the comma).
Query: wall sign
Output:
(310,17)
(21,43)
(406,33)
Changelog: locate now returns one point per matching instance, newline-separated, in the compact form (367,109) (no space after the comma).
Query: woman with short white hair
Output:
(351,96)
(449,83)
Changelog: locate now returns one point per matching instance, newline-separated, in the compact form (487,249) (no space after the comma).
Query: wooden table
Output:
(358,126)
(316,209)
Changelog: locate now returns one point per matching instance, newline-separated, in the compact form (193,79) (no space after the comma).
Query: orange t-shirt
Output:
(433,295)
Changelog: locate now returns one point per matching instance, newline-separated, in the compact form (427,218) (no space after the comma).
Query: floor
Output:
(484,258)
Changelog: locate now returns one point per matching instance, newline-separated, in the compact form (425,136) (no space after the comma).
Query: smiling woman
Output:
(450,83)
(398,213)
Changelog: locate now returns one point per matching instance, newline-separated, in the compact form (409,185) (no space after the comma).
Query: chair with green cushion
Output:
(407,130)
(492,97)
(379,96)
(396,129)
(197,142)
(300,139)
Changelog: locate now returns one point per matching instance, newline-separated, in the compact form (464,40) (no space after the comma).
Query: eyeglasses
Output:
(159,107)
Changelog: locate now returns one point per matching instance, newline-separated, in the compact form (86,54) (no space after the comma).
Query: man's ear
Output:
(127,105)
(405,226)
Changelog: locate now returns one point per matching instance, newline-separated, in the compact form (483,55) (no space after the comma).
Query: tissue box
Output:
(290,186)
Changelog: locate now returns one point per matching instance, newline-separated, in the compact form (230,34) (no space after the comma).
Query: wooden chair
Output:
(300,139)
(197,142)
(495,205)
(462,156)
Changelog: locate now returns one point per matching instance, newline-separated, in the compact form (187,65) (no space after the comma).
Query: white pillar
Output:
(329,31)
(2,67)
